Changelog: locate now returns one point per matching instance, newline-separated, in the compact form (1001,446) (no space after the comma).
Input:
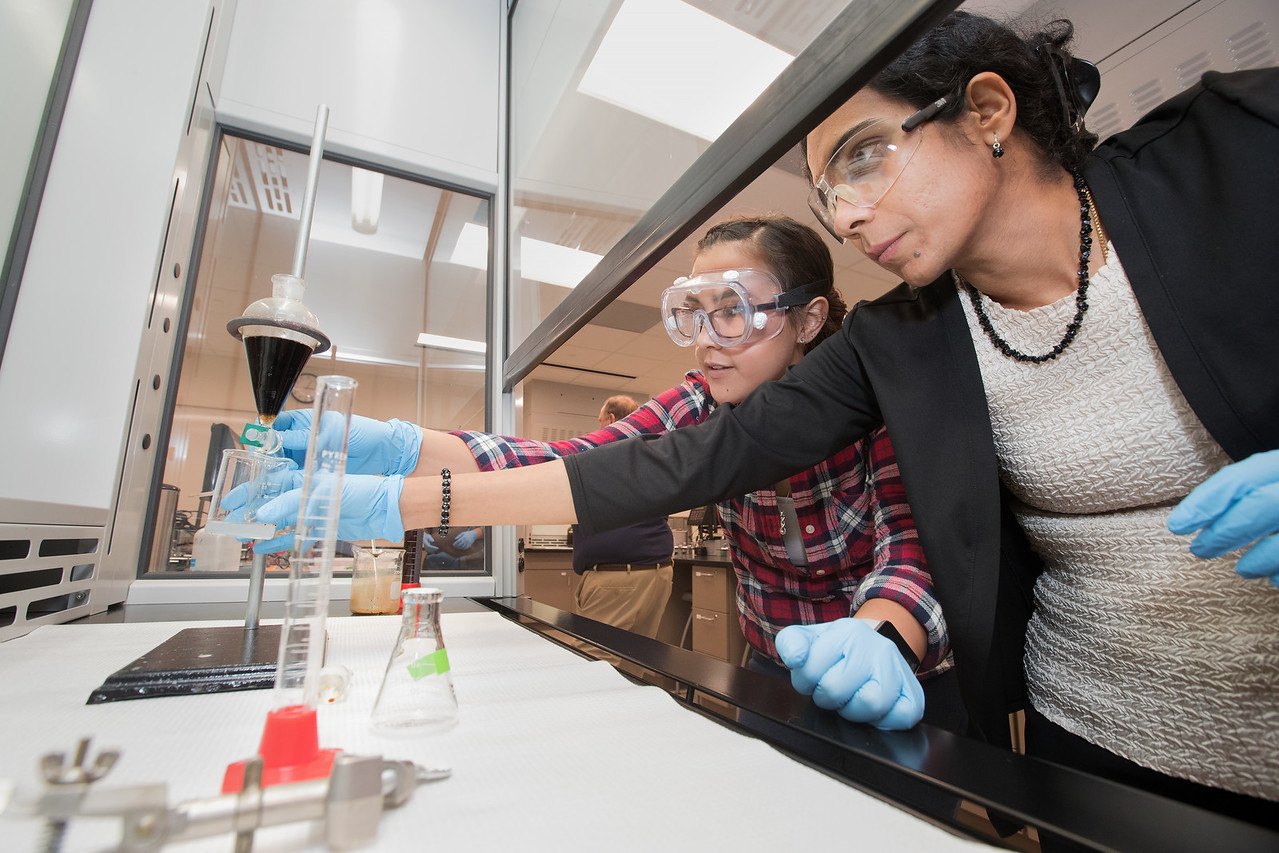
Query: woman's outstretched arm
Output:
(536,494)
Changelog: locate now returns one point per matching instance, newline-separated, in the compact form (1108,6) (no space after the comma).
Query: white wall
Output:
(65,383)
(408,82)
(30,41)
(554,411)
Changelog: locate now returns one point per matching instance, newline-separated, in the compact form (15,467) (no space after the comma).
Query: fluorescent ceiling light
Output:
(678,65)
(366,200)
(368,358)
(555,264)
(444,342)
(539,260)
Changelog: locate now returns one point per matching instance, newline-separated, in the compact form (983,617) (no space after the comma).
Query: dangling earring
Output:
(997,150)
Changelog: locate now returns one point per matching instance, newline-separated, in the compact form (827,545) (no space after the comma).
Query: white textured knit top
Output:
(1135,644)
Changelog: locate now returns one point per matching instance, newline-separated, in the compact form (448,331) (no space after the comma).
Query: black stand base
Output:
(198,660)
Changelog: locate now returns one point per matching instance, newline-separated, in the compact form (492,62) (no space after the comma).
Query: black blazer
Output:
(1188,197)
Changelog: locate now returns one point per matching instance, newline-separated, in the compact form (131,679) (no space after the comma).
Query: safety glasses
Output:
(864,167)
(734,307)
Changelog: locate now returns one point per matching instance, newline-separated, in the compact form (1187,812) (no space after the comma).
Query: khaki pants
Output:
(633,600)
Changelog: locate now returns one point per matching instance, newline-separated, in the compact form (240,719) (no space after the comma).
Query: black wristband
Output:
(889,630)
(446,485)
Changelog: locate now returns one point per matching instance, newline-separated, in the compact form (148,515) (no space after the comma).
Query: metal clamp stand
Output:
(208,660)
(257,575)
(257,578)
(350,803)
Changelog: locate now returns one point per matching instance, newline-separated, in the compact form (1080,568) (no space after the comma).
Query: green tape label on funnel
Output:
(436,663)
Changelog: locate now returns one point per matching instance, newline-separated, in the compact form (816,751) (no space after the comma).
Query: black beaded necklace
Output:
(1081,295)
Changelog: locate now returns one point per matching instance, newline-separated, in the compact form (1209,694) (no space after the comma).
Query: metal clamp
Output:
(350,802)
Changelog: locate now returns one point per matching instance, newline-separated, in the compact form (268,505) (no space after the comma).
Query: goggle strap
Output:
(801,295)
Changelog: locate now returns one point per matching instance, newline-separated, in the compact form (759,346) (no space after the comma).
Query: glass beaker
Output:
(417,690)
(260,478)
(375,580)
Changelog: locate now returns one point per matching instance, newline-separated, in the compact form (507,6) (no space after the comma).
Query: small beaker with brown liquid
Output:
(375,580)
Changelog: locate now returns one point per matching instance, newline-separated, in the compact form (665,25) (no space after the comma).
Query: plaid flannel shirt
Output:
(858,533)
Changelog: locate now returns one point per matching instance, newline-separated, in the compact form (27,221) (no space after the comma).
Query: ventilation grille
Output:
(1147,97)
(558,434)
(46,574)
(1251,47)
(1105,121)
(259,180)
(1189,72)
(1232,35)
(546,536)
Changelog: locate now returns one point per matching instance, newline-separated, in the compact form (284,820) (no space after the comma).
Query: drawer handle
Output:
(697,574)
(702,618)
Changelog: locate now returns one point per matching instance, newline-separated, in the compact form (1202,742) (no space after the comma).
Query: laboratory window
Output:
(397,274)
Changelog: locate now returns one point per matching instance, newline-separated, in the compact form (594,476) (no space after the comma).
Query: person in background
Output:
(830,547)
(614,409)
(626,571)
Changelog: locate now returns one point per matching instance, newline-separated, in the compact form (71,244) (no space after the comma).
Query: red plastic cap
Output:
(290,751)
(290,737)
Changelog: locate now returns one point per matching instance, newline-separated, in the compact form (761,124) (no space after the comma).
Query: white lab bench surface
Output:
(552,752)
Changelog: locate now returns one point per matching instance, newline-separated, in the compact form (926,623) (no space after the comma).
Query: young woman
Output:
(1082,339)
(831,542)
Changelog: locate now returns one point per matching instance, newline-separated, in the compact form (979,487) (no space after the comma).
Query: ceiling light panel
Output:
(680,66)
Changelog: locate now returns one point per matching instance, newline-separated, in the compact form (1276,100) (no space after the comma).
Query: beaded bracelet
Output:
(445,487)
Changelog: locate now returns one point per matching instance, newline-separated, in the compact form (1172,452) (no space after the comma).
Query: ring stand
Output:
(203,660)
(214,660)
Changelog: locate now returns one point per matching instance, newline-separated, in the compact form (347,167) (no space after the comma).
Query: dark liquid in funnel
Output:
(274,365)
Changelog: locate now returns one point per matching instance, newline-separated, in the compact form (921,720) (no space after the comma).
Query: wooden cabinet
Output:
(548,577)
(715,627)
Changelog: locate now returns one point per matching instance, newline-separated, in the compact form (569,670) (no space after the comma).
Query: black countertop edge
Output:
(909,768)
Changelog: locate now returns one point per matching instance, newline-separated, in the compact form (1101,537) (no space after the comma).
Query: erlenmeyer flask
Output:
(417,690)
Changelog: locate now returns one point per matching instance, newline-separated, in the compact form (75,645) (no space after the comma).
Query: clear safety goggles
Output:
(864,168)
(733,306)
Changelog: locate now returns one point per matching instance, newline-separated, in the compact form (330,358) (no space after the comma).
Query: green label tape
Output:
(436,663)
(254,440)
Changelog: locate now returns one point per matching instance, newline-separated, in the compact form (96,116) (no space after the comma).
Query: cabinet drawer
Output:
(714,633)
(715,588)
(555,587)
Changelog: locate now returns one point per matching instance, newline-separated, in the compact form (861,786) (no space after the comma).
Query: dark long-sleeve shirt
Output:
(858,533)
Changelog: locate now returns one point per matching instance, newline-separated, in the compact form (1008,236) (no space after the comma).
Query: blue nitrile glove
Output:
(1234,508)
(370,509)
(429,541)
(464,540)
(256,493)
(847,667)
(374,447)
